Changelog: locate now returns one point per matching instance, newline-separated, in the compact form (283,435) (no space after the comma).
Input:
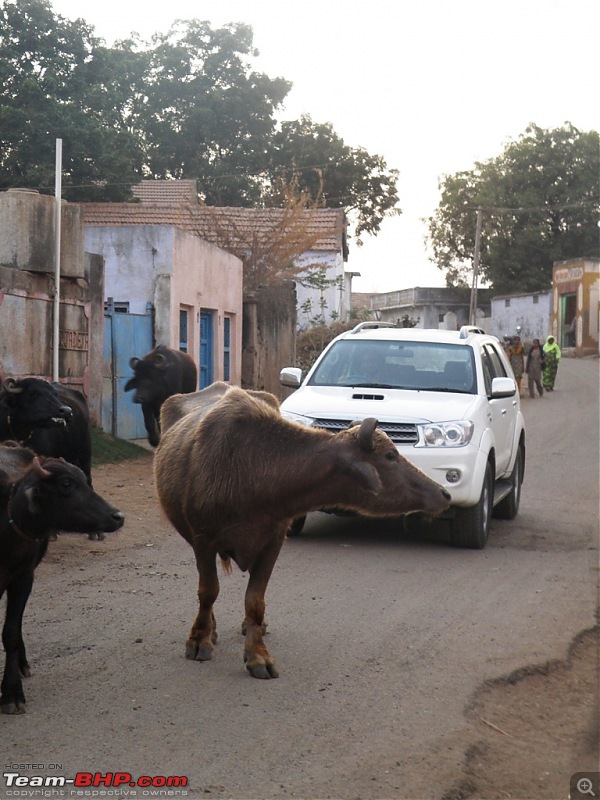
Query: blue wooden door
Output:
(125,336)
(206,349)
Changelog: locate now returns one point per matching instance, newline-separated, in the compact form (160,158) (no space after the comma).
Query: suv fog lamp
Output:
(453,475)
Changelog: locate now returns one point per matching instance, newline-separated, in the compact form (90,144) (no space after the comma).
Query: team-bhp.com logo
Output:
(95,784)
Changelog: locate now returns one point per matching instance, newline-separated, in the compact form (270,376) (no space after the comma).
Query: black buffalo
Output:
(52,419)
(37,496)
(159,374)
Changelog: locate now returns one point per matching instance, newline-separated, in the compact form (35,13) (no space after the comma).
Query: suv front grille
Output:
(399,432)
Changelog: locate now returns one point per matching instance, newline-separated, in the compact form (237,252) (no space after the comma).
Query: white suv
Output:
(447,399)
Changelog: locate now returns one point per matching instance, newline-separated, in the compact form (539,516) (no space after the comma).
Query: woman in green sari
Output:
(552,357)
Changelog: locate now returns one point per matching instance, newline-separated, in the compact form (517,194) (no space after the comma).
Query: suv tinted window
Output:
(434,366)
(492,366)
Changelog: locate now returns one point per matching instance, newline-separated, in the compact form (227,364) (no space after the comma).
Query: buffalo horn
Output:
(10,385)
(365,434)
(133,362)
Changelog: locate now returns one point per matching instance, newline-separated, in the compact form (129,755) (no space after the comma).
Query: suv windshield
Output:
(421,366)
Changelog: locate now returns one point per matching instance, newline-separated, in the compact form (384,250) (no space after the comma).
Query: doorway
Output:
(206,349)
(568,314)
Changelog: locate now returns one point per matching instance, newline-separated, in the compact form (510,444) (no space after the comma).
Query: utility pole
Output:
(57,226)
(473,306)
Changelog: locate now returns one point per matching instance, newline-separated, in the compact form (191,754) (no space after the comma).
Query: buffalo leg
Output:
(151,425)
(258,660)
(12,697)
(203,634)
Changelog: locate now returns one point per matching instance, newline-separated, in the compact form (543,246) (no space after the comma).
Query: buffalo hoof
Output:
(262,671)
(96,536)
(13,708)
(198,652)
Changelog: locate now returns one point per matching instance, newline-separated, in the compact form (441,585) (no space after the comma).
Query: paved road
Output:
(381,638)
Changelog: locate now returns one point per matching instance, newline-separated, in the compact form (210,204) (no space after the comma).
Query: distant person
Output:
(517,362)
(534,365)
(552,356)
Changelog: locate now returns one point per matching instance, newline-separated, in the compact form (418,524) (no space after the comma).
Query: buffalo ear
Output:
(160,361)
(131,384)
(32,503)
(364,473)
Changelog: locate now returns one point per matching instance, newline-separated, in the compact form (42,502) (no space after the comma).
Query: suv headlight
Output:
(457,433)
(308,421)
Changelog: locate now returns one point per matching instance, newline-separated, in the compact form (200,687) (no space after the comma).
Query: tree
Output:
(207,114)
(539,201)
(57,82)
(347,177)
(271,241)
(187,104)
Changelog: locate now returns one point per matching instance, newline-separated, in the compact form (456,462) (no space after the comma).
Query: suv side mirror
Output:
(503,387)
(290,377)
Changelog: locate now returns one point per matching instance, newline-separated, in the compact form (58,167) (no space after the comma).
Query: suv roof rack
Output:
(467,330)
(372,324)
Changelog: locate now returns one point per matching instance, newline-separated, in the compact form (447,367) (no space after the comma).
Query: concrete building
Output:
(28,340)
(433,307)
(273,233)
(153,257)
(528,314)
(575,317)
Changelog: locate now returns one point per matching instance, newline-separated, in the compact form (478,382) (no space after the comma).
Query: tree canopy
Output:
(55,82)
(187,104)
(346,177)
(539,201)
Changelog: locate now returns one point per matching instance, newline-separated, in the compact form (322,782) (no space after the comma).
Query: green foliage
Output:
(540,205)
(51,74)
(108,450)
(348,177)
(187,104)
(317,279)
(207,115)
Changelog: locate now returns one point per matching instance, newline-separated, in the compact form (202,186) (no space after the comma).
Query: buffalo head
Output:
(33,403)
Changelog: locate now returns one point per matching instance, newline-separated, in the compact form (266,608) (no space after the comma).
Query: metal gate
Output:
(125,335)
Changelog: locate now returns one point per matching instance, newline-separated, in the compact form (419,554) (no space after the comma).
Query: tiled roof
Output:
(166,192)
(176,203)
(119,214)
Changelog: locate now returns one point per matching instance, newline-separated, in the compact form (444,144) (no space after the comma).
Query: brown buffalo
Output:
(232,474)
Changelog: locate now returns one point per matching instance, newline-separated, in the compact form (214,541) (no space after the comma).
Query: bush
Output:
(311,342)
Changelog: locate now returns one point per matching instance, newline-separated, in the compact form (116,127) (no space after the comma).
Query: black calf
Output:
(36,499)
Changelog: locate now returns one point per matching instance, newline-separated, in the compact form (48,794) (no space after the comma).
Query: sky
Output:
(433,86)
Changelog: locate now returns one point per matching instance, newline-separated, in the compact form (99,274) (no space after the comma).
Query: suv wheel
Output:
(508,507)
(471,526)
